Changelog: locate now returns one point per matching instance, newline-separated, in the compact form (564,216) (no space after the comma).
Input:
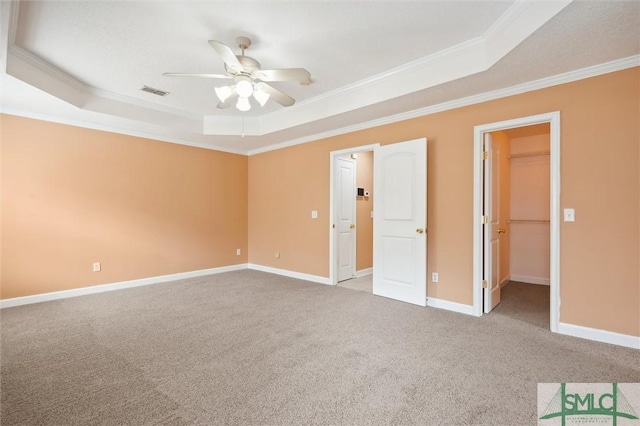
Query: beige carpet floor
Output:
(249,347)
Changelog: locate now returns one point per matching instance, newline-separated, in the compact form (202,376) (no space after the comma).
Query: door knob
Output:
(420,230)
(501,230)
(352,226)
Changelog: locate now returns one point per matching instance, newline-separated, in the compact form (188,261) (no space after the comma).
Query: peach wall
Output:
(74,196)
(364,206)
(600,278)
(284,187)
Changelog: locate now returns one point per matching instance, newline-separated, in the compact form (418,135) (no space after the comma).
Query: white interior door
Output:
(346,217)
(400,221)
(492,230)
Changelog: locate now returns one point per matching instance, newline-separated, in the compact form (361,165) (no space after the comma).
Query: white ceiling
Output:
(84,62)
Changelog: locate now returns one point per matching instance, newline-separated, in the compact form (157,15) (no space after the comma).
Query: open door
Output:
(345,185)
(399,224)
(492,230)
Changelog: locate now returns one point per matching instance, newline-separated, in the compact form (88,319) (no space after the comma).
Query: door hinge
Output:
(485,155)
(485,284)
(333,226)
(485,220)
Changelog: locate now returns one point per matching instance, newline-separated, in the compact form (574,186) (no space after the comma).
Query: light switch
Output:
(569,215)
(314,214)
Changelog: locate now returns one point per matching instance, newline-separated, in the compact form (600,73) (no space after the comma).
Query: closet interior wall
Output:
(530,205)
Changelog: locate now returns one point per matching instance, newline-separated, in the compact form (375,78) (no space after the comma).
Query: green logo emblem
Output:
(588,404)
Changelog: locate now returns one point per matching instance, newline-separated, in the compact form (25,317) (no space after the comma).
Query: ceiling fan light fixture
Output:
(223,92)
(243,104)
(249,79)
(261,96)
(244,88)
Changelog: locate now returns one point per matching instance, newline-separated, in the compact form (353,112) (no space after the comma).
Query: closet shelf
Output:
(528,221)
(530,154)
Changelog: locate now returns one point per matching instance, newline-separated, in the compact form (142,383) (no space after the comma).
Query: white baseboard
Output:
(599,335)
(363,272)
(290,274)
(82,291)
(531,280)
(449,306)
(505,280)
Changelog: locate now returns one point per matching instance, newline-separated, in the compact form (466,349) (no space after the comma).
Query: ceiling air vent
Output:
(154,91)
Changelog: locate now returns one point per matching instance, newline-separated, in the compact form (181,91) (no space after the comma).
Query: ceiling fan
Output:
(249,79)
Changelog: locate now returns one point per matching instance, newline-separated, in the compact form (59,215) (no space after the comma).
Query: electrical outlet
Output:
(238,252)
(434,277)
(277,255)
(314,214)
(97,267)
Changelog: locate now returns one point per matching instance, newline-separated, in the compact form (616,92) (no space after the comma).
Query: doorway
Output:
(491,222)
(345,216)
(399,219)
(351,228)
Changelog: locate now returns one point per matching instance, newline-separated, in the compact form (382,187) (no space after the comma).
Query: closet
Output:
(528,221)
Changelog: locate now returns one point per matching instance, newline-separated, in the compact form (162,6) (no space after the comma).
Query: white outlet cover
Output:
(314,214)
(569,215)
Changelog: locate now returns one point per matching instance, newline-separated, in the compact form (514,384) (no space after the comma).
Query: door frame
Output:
(333,155)
(553,118)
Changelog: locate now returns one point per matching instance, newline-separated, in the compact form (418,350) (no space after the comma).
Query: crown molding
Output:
(478,54)
(119,130)
(90,91)
(44,66)
(588,72)
(568,77)
(518,22)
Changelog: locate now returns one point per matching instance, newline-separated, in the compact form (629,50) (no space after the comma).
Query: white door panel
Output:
(398,254)
(399,187)
(399,240)
(345,218)
(491,273)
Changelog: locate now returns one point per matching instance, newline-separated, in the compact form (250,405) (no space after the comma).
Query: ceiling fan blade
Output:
(276,95)
(227,55)
(184,74)
(230,101)
(287,74)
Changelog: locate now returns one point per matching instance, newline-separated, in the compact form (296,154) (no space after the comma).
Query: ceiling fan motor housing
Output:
(249,65)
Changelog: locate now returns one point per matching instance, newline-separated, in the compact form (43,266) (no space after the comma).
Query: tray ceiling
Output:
(85,62)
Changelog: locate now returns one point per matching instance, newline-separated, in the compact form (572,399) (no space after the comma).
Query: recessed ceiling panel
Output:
(121,46)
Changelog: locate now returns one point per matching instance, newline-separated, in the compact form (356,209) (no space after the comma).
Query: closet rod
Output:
(528,221)
(530,154)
